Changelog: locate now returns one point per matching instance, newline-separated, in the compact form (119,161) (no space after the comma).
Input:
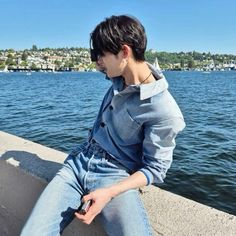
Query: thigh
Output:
(55,208)
(125,215)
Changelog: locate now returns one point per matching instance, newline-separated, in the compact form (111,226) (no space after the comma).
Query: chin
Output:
(103,71)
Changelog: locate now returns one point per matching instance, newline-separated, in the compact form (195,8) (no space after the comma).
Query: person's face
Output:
(112,65)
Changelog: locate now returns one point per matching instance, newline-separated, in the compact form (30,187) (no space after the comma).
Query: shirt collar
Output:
(146,90)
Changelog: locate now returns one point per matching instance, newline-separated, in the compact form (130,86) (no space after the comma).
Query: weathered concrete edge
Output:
(25,168)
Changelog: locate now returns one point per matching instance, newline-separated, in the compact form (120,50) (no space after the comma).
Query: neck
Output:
(137,73)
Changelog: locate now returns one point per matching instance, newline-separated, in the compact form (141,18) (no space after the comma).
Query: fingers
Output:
(88,197)
(87,218)
(99,199)
(84,218)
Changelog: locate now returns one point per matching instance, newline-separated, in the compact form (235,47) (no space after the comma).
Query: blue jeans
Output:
(87,168)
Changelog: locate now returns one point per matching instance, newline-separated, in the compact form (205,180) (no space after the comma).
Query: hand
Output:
(100,198)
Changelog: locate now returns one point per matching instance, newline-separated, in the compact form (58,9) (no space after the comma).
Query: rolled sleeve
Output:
(158,146)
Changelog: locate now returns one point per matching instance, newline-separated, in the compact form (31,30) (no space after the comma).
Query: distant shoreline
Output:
(68,71)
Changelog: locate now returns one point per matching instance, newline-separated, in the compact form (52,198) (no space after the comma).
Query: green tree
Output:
(78,60)
(24,63)
(67,64)
(34,48)
(191,64)
(150,56)
(2,66)
(71,65)
(11,51)
(9,62)
(58,64)
(45,58)
(24,56)
(9,56)
(33,67)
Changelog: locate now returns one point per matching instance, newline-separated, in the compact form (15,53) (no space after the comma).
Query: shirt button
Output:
(111,108)
(102,124)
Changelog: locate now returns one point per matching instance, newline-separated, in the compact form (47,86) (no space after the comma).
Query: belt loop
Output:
(89,138)
(105,155)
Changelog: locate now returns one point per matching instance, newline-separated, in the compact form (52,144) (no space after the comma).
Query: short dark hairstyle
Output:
(112,33)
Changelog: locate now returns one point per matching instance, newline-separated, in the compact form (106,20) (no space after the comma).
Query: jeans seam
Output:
(86,175)
(144,213)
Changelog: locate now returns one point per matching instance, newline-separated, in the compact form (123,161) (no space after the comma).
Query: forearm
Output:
(136,180)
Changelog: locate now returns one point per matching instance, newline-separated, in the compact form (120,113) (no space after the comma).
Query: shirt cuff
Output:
(148,175)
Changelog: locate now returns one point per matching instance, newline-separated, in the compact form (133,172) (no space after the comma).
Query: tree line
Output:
(166,60)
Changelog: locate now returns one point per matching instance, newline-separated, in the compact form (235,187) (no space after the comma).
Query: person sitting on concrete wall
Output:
(130,145)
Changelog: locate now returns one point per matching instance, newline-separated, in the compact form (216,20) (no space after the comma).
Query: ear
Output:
(127,51)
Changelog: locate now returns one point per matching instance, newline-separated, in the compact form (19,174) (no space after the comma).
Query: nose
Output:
(99,62)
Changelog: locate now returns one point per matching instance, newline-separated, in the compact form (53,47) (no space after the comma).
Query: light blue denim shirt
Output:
(137,126)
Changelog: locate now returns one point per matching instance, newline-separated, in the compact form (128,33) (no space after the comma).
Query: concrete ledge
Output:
(26,167)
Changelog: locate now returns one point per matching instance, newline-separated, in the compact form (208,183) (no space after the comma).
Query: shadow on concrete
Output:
(32,164)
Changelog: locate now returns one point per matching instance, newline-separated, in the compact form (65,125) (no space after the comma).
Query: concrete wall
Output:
(26,167)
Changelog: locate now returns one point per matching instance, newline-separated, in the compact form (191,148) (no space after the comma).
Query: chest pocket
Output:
(127,130)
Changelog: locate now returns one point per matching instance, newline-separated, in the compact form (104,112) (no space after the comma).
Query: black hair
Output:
(112,33)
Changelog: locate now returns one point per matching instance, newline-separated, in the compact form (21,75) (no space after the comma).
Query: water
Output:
(57,110)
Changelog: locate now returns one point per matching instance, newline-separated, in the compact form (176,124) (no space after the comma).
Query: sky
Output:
(171,25)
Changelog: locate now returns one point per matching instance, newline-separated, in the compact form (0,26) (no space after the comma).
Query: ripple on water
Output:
(57,110)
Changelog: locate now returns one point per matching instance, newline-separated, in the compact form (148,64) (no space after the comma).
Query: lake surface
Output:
(57,109)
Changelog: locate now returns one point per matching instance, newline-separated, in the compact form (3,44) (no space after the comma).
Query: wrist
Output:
(113,191)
